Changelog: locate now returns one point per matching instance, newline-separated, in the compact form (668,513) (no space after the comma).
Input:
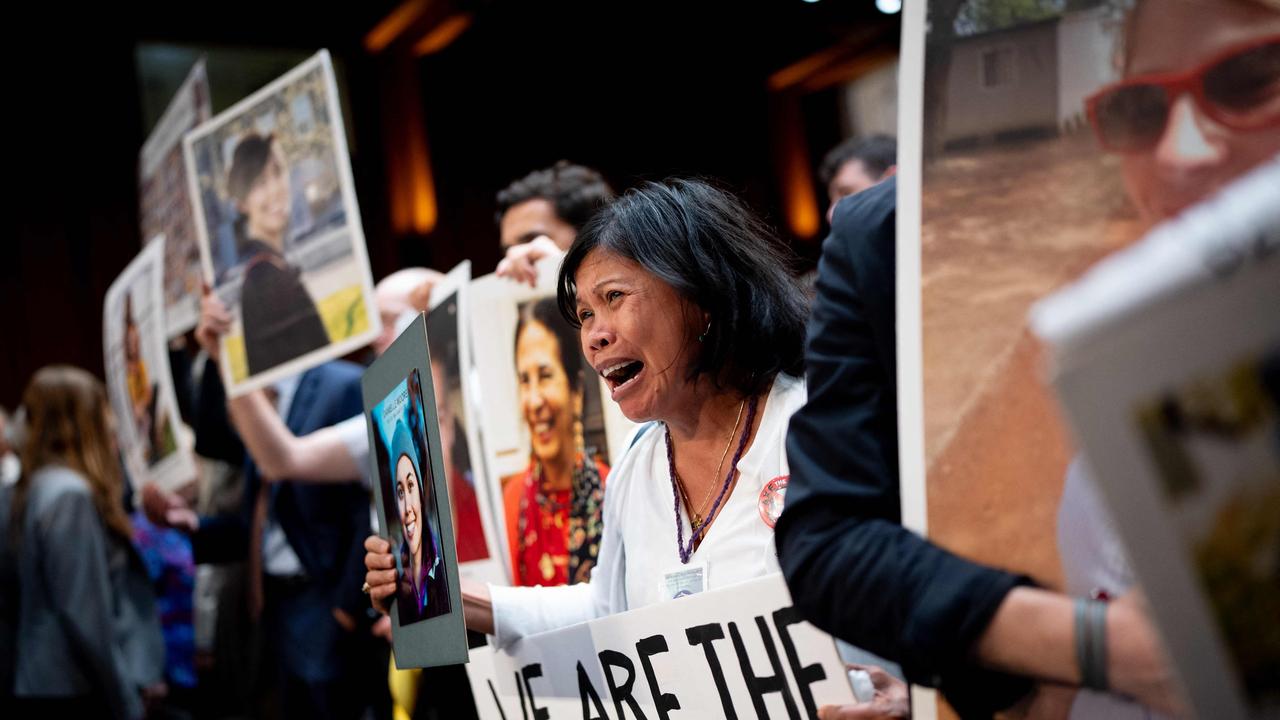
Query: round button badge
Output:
(772,497)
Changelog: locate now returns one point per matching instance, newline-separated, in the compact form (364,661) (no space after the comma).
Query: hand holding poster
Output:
(411,493)
(1168,364)
(139,382)
(165,207)
(279,229)
(736,652)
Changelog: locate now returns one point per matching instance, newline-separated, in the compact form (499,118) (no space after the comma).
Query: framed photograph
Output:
(164,204)
(153,443)
(543,410)
(279,229)
(411,493)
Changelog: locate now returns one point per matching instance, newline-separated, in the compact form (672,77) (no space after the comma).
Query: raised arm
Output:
(321,456)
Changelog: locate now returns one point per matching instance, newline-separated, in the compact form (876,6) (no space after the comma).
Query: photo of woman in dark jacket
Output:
(280,318)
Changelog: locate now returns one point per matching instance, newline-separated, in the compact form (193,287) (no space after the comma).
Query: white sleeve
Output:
(1088,545)
(522,611)
(354,434)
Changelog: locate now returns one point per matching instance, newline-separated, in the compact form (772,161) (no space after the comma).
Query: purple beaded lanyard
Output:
(686,551)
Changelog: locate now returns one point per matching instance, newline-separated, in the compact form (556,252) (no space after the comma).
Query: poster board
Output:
(1013,200)
(164,204)
(279,229)
(411,497)
(740,651)
(505,420)
(153,443)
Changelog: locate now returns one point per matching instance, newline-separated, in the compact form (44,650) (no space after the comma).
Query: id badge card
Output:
(684,580)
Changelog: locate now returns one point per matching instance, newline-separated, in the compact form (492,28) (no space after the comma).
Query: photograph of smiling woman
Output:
(279,231)
(279,315)
(410,501)
(422,592)
(552,508)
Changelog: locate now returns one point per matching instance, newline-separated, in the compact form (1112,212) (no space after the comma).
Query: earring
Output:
(703,336)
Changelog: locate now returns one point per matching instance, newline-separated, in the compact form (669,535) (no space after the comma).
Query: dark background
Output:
(638,90)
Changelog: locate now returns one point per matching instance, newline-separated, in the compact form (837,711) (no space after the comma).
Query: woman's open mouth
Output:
(410,530)
(543,430)
(622,375)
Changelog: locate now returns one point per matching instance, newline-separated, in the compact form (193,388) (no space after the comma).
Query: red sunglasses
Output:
(1238,88)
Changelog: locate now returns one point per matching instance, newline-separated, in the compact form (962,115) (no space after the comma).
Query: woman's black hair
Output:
(716,253)
(247,162)
(546,313)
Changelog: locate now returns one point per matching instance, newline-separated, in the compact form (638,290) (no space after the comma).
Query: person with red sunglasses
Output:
(1195,110)
(1200,101)
(1197,107)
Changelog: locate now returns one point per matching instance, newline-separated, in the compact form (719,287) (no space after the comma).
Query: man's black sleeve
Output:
(853,570)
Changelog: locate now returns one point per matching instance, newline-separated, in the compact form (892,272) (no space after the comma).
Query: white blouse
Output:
(639,544)
(1093,559)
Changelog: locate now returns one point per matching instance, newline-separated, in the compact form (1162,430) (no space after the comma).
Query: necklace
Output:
(696,517)
(686,550)
(547,500)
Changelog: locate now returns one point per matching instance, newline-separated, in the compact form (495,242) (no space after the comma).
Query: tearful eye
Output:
(583,315)
(613,295)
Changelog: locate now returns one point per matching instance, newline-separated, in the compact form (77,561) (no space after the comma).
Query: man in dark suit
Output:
(304,541)
(852,568)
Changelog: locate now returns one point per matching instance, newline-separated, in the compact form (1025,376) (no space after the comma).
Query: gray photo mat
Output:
(440,640)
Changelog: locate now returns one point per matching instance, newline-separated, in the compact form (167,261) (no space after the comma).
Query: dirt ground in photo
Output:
(1004,225)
